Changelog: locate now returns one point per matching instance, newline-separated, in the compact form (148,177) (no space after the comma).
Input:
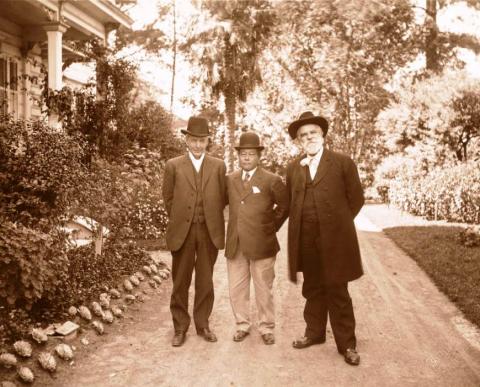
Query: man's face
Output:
(196,145)
(248,158)
(310,138)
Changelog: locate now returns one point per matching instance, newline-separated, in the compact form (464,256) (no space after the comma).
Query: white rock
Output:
(23,348)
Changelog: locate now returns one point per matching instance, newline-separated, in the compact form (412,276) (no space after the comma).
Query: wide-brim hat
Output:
(197,126)
(249,140)
(307,118)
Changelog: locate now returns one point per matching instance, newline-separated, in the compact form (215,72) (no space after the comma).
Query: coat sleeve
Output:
(354,188)
(280,198)
(168,186)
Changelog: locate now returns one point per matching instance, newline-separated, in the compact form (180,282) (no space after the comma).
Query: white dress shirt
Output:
(250,173)
(197,163)
(312,162)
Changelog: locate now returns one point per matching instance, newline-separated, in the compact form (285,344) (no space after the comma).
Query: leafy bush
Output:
(88,275)
(450,193)
(470,236)
(32,264)
(41,171)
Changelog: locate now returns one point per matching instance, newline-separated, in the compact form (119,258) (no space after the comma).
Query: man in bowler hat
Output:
(325,195)
(258,206)
(194,193)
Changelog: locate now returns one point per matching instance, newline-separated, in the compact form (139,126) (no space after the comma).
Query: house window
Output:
(8,87)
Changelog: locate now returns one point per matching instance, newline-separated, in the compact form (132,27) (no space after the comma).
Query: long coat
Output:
(338,197)
(179,195)
(253,217)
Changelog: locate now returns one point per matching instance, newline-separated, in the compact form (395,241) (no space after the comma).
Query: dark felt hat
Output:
(307,118)
(249,140)
(197,126)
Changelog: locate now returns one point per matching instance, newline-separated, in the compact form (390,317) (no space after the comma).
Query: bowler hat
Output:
(197,126)
(249,140)
(307,118)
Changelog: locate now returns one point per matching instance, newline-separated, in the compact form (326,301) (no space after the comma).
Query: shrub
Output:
(41,170)
(449,193)
(88,275)
(470,236)
(32,263)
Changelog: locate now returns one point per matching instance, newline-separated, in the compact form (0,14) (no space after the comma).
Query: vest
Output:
(309,211)
(198,213)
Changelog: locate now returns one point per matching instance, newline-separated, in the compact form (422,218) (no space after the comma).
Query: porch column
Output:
(55,32)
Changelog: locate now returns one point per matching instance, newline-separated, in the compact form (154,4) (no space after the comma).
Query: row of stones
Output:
(104,309)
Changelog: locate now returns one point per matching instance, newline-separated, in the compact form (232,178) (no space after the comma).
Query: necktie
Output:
(246,178)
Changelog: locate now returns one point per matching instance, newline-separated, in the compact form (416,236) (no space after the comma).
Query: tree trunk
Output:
(230,107)
(431,40)
(230,94)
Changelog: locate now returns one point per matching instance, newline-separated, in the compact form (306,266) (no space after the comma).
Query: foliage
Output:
(88,275)
(336,56)
(470,236)
(32,264)
(437,117)
(41,170)
(228,50)
(452,194)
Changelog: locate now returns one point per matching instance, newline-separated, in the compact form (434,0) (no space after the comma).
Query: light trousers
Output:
(262,272)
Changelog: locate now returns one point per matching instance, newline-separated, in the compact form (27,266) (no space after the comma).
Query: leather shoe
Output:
(240,335)
(178,339)
(304,342)
(351,357)
(207,334)
(268,338)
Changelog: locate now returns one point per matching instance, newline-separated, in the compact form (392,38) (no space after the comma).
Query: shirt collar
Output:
(251,173)
(194,160)
(317,157)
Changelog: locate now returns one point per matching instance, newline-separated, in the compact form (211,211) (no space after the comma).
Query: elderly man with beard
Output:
(325,195)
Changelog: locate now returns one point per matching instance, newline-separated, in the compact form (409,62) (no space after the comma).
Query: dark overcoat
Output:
(256,213)
(179,196)
(338,196)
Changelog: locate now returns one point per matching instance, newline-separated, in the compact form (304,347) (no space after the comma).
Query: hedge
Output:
(449,193)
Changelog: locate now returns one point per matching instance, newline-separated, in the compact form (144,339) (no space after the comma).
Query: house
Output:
(36,32)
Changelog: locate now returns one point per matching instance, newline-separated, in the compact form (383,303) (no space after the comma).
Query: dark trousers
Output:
(197,252)
(324,299)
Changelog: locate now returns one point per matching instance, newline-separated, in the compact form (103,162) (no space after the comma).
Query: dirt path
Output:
(408,335)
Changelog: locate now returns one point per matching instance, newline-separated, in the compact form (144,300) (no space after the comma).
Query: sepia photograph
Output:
(239,193)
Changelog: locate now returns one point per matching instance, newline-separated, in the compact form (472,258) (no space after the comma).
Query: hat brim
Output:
(195,134)
(295,125)
(249,147)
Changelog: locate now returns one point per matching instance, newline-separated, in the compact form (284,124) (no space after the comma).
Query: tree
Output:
(338,59)
(228,52)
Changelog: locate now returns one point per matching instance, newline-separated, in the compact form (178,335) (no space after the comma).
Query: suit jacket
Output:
(254,218)
(338,197)
(179,194)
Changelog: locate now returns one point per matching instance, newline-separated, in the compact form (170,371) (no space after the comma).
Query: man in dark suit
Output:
(325,195)
(194,193)
(258,206)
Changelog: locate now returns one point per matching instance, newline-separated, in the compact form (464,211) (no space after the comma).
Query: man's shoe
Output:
(304,342)
(351,357)
(240,335)
(178,339)
(207,334)
(268,338)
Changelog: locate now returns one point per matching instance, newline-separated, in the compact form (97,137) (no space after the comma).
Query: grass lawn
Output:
(454,268)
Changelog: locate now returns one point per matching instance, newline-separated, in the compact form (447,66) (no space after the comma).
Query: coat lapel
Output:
(323,167)
(239,185)
(300,177)
(188,167)
(207,171)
